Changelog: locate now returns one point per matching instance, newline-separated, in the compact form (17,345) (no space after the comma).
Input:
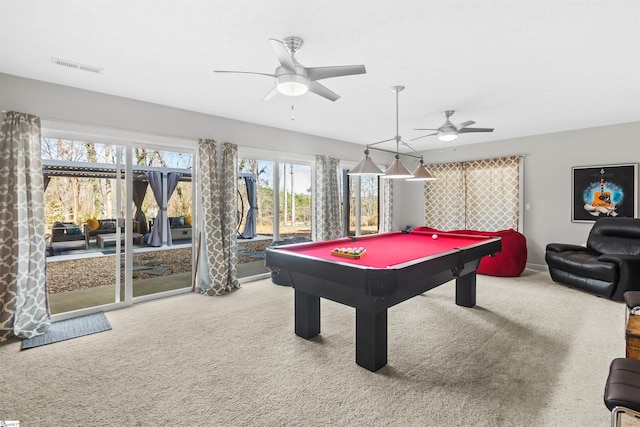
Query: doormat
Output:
(68,329)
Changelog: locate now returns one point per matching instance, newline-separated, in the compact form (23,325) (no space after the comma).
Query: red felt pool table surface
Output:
(388,249)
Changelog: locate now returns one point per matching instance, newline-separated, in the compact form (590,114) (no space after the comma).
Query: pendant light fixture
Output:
(421,173)
(396,170)
(366,166)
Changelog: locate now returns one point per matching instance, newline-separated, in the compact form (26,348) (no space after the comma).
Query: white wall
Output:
(77,106)
(547,178)
(547,164)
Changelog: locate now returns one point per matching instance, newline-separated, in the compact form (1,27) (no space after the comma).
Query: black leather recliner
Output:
(608,266)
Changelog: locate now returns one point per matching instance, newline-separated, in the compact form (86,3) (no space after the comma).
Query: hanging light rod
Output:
(417,156)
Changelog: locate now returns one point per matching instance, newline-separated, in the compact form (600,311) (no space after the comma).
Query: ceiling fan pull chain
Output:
(292,116)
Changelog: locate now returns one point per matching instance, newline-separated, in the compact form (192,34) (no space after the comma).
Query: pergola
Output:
(65,168)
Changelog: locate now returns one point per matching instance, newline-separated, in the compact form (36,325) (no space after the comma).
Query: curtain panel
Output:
(445,197)
(161,223)
(326,202)
(155,181)
(385,217)
(23,295)
(249,231)
(139,192)
(219,186)
(475,195)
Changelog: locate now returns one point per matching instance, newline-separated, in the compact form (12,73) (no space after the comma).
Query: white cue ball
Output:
(434,236)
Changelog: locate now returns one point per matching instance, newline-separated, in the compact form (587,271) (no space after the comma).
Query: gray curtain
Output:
(219,205)
(162,219)
(155,237)
(139,192)
(23,295)
(385,217)
(249,231)
(172,181)
(326,202)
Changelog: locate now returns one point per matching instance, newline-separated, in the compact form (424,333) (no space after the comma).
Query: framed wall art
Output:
(609,190)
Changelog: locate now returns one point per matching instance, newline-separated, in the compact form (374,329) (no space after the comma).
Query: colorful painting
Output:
(604,191)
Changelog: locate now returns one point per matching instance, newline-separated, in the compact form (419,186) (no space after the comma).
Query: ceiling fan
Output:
(294,79)
(449,132)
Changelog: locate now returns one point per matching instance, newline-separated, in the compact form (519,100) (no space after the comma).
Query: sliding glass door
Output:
(120,223)
(255,214)
(162,222)
(274,203)
(83,216)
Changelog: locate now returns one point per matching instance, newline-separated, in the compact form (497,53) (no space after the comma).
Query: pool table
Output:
(395,267)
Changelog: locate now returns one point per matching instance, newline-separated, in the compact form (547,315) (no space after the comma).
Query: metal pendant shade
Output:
(397,170)
(421,173)
(366,167)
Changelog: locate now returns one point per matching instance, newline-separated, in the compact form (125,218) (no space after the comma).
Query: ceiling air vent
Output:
(77,66)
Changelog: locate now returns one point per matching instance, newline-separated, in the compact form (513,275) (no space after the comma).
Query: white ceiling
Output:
(521,67)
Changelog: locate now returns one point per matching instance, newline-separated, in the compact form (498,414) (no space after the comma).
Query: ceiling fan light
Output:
(366,167)
(397,170)
(292,84)
(421,173)
(448,135)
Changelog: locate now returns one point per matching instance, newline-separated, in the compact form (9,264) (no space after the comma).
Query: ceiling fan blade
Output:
(424,136)
(464,125)
(273,92)
(467,130)
(323,91)
(284,57)
(244,72)
(424,129)
(318,73)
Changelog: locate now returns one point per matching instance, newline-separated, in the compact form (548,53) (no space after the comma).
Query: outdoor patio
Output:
(79,278)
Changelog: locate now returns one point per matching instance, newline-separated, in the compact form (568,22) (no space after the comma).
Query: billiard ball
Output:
(434,236)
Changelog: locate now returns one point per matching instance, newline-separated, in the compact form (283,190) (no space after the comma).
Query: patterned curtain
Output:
(445,197)
(476,195)
(493,194)
(219,205)
(23,295)
(386,206)
(326,203)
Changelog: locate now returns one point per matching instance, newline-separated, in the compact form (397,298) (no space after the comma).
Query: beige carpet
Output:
(531,353)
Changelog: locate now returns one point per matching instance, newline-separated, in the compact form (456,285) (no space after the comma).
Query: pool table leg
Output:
(371,339)
(466,290)
(307,314)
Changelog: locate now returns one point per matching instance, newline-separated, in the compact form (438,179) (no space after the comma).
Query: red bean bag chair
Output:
(511,262)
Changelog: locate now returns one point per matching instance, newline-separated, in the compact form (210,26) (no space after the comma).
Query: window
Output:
(475,195)
(295,200)
(361,203)
(96,208)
